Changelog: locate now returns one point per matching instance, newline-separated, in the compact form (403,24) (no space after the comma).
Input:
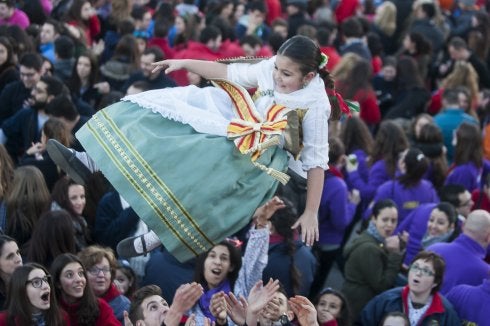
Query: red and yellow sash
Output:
(250,132)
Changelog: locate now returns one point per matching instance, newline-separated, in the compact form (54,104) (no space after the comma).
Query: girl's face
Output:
(227,11)
(84,66)
(386,221)
(122,281)
(10,258)
(3,54)
(329,304)
(421,277)
(72,282)
(87,11)
(99,277)
(38,296)
(287,75)
(146,20)
(76,195)
(438,223)
(217,265)
(408,44)
(179,24)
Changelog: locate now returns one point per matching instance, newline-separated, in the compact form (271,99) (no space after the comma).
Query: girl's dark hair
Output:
(75,12)
(27,199)
(431,134)
(422,45)
(52,236)
(6,172)
(127,49)
(382,204)
(235,262)
(389,142)
(282,220)
(75,83)
(468,145)
(3,240)
(359,78)
(88,311)
(449,210)
(307,54)
(130,274)
(416,164)
(10,62)
(60,194)
(18,303)
(407,74)
(395,314)
(344,317)
(336,149)
(356,135)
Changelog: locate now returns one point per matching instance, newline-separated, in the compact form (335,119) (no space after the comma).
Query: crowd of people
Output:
(401,209)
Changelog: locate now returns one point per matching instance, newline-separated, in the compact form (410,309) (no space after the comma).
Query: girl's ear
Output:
(308,77)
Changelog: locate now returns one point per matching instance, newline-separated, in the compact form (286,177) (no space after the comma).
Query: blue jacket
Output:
(440,312)
(112,223)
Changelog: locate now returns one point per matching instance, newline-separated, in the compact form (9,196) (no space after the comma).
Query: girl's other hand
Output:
(309,227)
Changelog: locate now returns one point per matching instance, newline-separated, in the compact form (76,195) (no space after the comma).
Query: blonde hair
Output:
(463,74)
(385,18)
(344,67)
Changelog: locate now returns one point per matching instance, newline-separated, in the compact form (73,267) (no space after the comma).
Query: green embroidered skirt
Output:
(191,189)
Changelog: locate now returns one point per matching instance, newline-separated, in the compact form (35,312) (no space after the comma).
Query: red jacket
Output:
(194,50)
(106,315)
(162,43)
(333,56)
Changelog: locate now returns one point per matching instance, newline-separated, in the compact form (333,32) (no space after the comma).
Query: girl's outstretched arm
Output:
(206,69)
(309,219)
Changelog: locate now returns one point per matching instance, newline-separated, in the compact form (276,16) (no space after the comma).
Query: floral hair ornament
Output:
(323,62)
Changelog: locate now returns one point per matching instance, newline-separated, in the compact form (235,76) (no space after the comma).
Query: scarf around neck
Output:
(429,240)
(205,299)
(374,232)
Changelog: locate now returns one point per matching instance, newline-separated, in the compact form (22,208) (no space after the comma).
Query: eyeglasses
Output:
(37,282)
(424,271)
(95,270)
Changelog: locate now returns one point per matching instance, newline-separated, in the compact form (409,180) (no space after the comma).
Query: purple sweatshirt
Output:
(377,176)
(464,262)
(362,169)
(472,302)
(336,211)
(406,199)
(416,225)
(467,175)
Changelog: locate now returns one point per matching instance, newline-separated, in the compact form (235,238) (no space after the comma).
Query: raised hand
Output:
(261,295)
(218,307)
(264,213)
(236,308)
(304,310)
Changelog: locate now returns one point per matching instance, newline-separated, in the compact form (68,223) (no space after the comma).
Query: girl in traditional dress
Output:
(195,188)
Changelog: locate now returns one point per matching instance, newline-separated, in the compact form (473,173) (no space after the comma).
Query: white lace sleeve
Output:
(253,262)
(315,137)
(249,75)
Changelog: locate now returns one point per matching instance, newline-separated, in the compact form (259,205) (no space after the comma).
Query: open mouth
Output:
(216,271)
(45,297)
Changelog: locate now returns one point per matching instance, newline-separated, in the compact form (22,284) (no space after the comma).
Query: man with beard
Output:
(23,129)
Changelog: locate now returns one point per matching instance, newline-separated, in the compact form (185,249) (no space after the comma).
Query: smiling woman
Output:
(31,299)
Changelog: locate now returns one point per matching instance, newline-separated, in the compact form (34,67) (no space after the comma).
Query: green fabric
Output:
(191,189)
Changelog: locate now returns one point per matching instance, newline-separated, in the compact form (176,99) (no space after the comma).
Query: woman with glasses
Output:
(31,299)
(75,297)
(420,300)
(101,266)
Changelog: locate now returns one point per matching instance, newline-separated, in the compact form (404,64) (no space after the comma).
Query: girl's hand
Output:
(304,310)
(236,308)
(36,148)
(168,65)
(324,316)
(261,295)
(264,213)
(217,306)
(309,227)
